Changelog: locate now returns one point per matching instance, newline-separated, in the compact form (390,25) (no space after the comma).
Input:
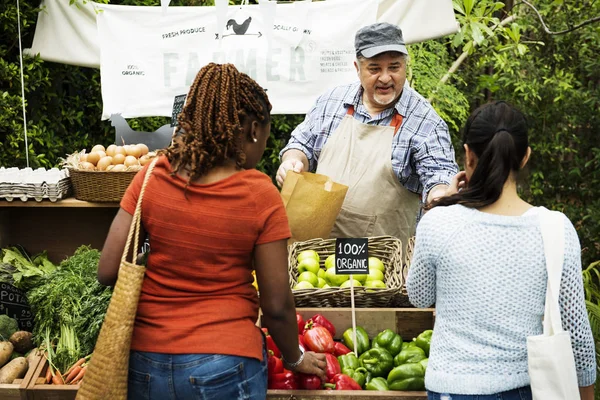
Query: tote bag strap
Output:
(552,226)
(134,229)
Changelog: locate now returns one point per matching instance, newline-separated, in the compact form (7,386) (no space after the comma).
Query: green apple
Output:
(330,261)
(326,286)
(303,285)
(375,284)
(321,273)
(376,263)
(349,282)
(308,254)
(375,275)
(362,278)
(309,264)
(310,277)
(333,279)
(322,282)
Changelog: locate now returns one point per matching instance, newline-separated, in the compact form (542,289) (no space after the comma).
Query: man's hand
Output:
(458,183)
(289,164)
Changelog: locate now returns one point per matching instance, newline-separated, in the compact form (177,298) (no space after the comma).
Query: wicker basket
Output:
(388,249)
(401,297)
(100,186)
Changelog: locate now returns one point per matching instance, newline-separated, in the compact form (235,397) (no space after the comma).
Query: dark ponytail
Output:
(497,134)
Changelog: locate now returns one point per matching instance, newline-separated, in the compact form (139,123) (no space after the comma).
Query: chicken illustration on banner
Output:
(233,27)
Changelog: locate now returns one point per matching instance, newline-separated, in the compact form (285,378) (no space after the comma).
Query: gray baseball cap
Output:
(378,38)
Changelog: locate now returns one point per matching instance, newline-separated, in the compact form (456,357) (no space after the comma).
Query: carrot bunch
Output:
(73,375)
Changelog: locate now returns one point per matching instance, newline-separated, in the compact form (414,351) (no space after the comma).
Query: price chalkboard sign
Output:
(14,304)
(352,256)
(178,103)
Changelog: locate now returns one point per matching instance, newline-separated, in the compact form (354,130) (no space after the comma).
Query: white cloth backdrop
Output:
(147,56)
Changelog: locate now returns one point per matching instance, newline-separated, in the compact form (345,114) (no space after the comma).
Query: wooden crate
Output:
(407,322)
(17,389)
(39,390)
(343,394)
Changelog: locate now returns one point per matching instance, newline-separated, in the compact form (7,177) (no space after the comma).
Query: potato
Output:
(6,349)
(31,356)
(22,342)
(15,369)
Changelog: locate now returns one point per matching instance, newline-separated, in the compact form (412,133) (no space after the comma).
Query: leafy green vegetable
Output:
(18,269)
(69,306)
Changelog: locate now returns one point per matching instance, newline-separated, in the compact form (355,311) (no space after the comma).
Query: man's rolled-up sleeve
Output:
(303,138)
(435,160)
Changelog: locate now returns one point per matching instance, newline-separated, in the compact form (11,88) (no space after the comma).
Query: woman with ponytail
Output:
(479,258)
(212,219)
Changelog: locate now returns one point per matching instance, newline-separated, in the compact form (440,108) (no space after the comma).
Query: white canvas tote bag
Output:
(550,355)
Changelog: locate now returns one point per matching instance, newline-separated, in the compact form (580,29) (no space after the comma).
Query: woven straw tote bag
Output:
(106,377)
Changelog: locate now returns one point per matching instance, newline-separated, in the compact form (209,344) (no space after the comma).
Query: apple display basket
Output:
(100,186)
(401,298)
(388,249)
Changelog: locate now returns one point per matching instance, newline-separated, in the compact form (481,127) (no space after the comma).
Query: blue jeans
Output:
(157,376)
(523,393)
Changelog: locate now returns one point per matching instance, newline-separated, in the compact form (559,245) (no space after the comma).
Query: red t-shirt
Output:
(197,296)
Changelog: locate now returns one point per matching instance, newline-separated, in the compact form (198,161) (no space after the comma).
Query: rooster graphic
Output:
(237,28)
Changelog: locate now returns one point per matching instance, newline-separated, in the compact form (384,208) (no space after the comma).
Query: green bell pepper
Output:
(348,361)
(377,361)
(407,377)
(359,375)
(362,339)
(424,363)
(388,340)
(408,344)
(424,341)
(411,354)
(378,383)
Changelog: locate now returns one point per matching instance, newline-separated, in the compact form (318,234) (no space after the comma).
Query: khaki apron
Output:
(360,156)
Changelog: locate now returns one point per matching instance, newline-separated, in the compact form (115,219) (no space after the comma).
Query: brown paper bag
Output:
(312,202)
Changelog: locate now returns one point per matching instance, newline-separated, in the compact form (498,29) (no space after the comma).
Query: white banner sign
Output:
(148,58)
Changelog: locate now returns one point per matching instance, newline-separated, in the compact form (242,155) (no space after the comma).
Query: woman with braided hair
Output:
(211,218)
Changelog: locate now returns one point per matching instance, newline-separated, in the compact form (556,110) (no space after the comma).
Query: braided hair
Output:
(219,101)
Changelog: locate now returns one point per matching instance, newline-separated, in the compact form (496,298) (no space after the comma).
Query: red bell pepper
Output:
(271,343)
(274,364)
(301,342)
(344,382)
(324,322)
(309,382)
(286,380)
(318,339)
(300,322)
(333,366)
(339,349)
(309,325)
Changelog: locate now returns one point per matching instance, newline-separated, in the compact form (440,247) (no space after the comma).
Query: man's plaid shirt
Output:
(422,152)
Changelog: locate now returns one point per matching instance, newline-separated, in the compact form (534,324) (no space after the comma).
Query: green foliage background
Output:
(553,79)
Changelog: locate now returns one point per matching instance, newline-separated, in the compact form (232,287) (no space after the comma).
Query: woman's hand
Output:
(313,364)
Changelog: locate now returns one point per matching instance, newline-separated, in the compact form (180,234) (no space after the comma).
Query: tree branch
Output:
(549,32)
(463,57)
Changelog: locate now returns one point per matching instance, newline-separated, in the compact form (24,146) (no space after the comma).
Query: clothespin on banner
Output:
(268,10)
(221,8)
(164,4)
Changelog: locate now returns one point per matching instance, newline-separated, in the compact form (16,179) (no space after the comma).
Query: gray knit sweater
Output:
(487,276)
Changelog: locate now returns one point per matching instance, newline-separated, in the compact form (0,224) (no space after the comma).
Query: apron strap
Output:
(396,119)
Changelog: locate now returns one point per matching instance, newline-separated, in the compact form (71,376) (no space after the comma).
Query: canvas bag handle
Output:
(552,226)
(134,229)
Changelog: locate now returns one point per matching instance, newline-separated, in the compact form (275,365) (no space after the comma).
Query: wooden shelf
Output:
(68,202)
(344,394)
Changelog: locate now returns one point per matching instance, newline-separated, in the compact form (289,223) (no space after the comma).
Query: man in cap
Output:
(380,138)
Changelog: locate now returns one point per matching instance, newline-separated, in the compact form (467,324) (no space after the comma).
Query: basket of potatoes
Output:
(103,174)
